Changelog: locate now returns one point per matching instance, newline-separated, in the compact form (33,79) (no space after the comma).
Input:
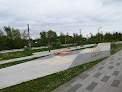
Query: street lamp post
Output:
(98,32)
(65,41)
(49,43)
(29,37)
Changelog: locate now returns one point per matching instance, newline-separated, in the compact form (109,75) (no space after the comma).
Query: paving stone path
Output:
(103,77)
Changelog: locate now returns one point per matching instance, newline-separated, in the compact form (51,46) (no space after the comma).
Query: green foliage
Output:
(108,37)
(16,37)
(8,31)
(26,48)
(2,40)
(44,39)
(27,51)
(62,38)
(45,36)
(116,48)
(56,45)
(13,39)
(52,36)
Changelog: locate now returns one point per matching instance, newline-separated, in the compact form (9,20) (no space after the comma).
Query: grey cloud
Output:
(61,15)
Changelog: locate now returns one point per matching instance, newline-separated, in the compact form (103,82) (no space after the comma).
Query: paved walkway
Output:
(104,77)
(22,49)
(38,54)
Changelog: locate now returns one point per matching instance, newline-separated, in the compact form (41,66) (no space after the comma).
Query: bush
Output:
(27,51)
(56,44)
(26,48)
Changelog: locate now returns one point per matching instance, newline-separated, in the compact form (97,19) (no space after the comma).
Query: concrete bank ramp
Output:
(57,60)
(104,46)
(85,55)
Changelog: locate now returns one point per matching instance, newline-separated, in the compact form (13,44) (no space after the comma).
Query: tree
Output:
(108,36)
(9,40)
(91,34)
(62,38)
(24,35)
(52,35)
(76,38)
(24,38)
(67,38)
(16,36)
(43,36)
(8,31)
(2,40)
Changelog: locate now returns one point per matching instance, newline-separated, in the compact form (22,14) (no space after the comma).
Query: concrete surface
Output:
(15,50)
(38,68)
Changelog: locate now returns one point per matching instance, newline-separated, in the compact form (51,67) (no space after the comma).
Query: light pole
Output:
(102,35)
(76,41)
(65,41)
(29,37)
(80,38)
(98,32)
(49,43)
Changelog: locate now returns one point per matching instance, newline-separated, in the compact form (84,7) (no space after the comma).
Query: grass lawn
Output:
(116,48)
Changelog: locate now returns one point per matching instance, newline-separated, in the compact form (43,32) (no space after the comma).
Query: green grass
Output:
(18,62)
(116,48)
(82,48)
(90,47)
(50,82)
(11,55)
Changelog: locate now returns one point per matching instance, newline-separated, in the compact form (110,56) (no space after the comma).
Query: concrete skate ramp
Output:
(57,60)
(104,46)
(85,55)
(86,51)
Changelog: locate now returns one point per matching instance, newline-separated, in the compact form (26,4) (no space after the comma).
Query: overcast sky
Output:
(62,15)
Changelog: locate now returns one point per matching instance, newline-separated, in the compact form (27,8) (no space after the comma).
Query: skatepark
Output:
(51,64)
